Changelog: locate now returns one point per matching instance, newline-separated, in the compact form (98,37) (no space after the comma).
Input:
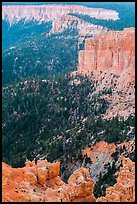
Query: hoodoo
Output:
(41,182)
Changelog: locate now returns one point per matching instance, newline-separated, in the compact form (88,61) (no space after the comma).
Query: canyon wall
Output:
(112,50)
(60,16)
(51,12)
(84,28)
(110,57)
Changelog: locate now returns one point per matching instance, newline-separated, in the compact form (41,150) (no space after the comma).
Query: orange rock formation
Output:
(110,57)
(34,183)
(112,50)
(42,183)
(124,189)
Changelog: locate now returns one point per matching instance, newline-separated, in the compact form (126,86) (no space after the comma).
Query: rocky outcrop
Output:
(112,50)
(84,28)
(124,189)
(51,12)
(41,182)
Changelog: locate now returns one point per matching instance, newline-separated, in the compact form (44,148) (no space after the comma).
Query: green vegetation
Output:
(50,118)
(22,31)
(46,117)
(110,24)
(49,115)
(115,129)
(106,180)
(41,56)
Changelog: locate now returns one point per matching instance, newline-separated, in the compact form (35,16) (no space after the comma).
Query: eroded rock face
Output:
(61,17)
(110,57)
(41,182)
(51,12)
(124,189)
(84,28)
(112,50)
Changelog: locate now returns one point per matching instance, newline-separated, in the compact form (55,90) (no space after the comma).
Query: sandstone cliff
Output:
(51,12)
(124,189)
(42,183)
(113,50)
(84,28)
(60,16)
(110,56)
